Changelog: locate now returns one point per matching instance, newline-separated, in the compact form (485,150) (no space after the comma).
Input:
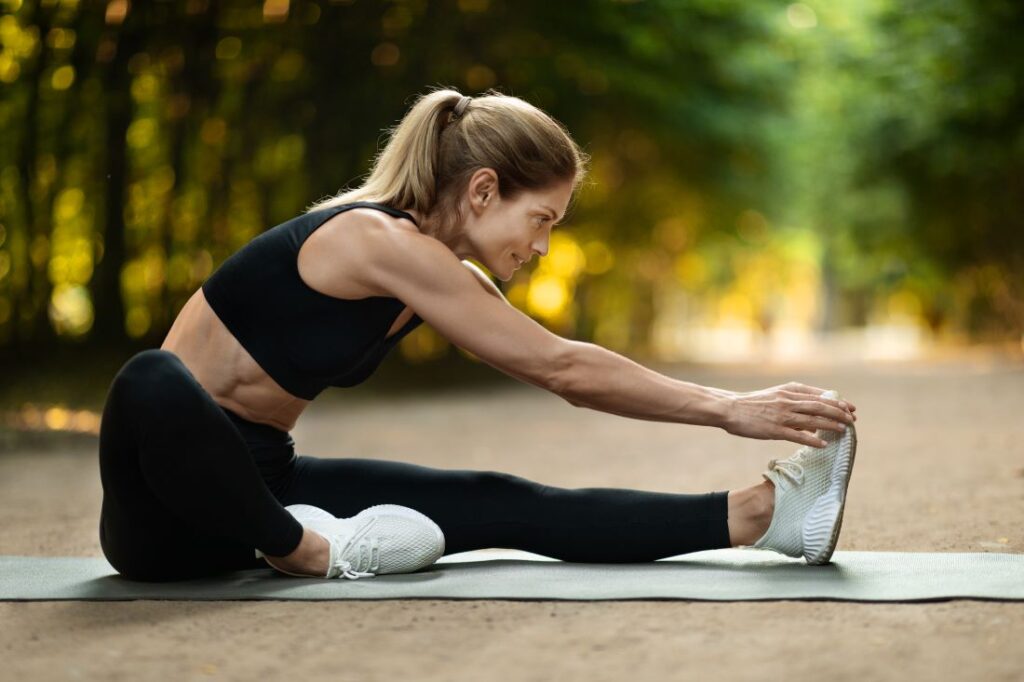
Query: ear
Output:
(483,189)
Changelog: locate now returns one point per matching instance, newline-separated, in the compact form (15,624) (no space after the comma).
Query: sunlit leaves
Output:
(70,310)
(759,170)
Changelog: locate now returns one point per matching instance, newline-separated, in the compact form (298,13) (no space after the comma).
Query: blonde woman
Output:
(199,471)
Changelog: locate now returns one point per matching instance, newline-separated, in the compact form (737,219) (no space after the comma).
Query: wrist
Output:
(712,407)
(723,410)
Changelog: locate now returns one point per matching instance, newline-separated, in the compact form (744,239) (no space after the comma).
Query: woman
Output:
(198,468)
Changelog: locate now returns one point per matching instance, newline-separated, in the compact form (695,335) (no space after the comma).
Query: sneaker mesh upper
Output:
(378,540)
(799,482)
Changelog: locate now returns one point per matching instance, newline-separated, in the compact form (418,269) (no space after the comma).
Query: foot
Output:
(810,495)
(385,538)
(310,558)
(750,513)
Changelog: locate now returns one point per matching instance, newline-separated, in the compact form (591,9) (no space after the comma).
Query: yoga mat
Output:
(717,575)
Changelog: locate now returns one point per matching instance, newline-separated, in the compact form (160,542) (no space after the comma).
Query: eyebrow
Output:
(557,219)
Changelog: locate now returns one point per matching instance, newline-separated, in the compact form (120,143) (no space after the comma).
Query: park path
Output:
(940,467)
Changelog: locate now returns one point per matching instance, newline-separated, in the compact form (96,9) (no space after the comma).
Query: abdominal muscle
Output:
(226,370)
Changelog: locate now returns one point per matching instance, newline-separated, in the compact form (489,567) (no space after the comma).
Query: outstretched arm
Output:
(603,380)
(430,279)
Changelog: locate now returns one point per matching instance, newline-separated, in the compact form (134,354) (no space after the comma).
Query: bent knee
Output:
(145,365)
(140,376)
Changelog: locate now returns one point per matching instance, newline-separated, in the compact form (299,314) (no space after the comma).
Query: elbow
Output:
(564,371)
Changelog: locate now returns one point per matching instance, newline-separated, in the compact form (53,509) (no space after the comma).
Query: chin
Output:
(503,276)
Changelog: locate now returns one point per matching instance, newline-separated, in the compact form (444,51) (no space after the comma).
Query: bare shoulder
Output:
(336,259)
(346,256)
(463,305)
(391,257)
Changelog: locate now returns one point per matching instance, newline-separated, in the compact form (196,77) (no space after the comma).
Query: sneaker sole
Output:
(825,518)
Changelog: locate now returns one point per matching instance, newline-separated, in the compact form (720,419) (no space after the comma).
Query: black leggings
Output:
(190,489)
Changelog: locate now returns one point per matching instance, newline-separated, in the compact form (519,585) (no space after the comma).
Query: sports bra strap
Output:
(394,212)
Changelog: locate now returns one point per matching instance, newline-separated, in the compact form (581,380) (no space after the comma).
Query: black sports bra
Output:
(305,340)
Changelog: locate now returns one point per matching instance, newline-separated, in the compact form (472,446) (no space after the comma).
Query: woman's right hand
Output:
(790,412)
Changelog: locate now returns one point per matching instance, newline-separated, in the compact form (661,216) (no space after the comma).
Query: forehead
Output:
(555,198)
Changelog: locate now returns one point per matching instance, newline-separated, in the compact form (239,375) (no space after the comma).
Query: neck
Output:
(429,225)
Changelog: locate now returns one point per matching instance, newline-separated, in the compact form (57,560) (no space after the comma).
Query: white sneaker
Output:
(810,494)
(385,538)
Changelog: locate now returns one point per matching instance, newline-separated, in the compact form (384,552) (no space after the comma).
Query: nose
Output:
(540,246)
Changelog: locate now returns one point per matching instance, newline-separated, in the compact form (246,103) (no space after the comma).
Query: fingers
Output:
(845,404)
(811,423)
(805,390)
(826,408)
(801,437)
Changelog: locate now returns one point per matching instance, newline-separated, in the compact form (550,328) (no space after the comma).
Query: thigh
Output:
(473,508)
(150,543)
(154,397)
(346,486)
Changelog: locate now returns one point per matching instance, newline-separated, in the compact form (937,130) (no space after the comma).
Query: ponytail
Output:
(432,153)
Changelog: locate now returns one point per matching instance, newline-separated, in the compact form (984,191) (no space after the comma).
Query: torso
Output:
(227,371)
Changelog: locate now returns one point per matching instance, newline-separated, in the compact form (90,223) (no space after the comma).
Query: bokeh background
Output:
(771,183)
(827,191)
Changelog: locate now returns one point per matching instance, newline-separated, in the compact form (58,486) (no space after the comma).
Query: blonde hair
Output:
(431,155)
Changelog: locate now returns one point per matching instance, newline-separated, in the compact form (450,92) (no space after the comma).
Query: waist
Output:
(259,435)
(272,451)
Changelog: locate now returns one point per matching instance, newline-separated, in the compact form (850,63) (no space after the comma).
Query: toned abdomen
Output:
(226,370)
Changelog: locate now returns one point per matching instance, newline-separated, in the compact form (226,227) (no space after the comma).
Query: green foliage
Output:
(146,141)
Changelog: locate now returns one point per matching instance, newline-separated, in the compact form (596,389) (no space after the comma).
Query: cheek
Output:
(508,240)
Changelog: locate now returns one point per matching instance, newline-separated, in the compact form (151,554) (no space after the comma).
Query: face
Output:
(505,234)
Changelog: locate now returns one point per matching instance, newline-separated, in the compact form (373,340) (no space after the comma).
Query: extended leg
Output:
(182,496)
(480,509)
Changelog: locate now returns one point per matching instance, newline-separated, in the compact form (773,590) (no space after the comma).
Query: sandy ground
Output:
(940,467)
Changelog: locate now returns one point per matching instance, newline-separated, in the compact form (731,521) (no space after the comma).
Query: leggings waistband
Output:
(259,435)
(272,450)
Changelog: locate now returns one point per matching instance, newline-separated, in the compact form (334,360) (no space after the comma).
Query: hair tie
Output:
(460,108)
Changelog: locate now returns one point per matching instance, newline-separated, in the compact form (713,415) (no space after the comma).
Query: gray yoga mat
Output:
(718,575)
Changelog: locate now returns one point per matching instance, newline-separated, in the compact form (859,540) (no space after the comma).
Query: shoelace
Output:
(368,551)
(347,572)
(790,468)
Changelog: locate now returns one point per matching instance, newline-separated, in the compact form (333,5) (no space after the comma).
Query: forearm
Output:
(603,380)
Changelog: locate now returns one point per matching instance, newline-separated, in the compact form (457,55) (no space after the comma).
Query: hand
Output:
(788,412)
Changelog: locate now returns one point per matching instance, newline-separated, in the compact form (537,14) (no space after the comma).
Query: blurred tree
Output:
(743,152)
(955,143)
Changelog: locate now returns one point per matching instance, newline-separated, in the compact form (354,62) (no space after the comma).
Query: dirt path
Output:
(940,467)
